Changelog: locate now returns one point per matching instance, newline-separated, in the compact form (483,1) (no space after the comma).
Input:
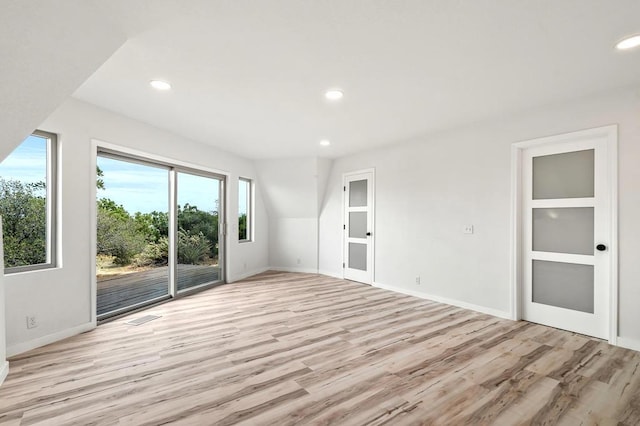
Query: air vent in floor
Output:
(142,320)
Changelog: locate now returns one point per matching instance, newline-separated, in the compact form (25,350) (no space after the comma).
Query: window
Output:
(244,210)
(27,203)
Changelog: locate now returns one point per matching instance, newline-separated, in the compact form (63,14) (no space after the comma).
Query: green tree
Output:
(99,176)
(110,206)
(192,248)
(23,207)
(118,235)
(242,227)
(194,222)
(154,225)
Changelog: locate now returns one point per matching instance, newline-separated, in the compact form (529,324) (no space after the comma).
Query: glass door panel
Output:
(132,235)
(564,175)
(357,224)
(358,256)
(563,230)
(358,193)
(198,212)
(565,285)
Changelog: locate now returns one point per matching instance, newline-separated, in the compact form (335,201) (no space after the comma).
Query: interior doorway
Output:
(358,226)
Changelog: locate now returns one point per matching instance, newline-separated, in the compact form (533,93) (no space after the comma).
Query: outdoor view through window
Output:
(25,176)
(134,238)
(244,207)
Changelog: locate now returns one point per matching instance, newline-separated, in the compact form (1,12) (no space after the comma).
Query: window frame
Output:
(51,202)
(249,237)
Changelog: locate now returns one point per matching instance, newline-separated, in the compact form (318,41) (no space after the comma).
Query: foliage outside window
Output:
(27,200)
(244,209)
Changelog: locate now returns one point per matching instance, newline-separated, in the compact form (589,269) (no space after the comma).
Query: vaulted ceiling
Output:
(250,76)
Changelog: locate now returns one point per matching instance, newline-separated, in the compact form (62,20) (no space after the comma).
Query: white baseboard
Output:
(244,275)
(628,343)
(332,274)
(289,269)
(453,302)
(4,371)
(50,338)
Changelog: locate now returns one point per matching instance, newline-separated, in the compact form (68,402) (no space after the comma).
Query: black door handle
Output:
(601,247)
(368,234)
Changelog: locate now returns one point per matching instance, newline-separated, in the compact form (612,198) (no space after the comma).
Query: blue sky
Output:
(28,162)
(139,188)
(142,188)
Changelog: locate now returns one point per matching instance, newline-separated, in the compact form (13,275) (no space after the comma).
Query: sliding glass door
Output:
(159,231)
(132,234)
(198,231)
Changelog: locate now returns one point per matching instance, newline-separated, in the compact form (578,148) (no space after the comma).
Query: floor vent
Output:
(142,320)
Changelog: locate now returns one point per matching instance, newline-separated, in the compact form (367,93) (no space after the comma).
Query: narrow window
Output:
(27,204)
(244,210)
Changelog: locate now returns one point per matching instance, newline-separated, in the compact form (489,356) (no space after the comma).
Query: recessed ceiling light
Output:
(334,94)
(629,42)
(160,85)
(325,142)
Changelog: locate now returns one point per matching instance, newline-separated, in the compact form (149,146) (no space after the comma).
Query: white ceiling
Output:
(249,76)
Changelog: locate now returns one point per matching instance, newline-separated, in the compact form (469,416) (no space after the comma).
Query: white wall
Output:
(428,189)
(60,298)
(4,365)
(43,62)
(294,188)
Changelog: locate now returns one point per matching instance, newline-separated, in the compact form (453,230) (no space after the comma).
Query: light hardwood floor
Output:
(285,349)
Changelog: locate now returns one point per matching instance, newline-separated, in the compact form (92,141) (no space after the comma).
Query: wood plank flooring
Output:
(290,349)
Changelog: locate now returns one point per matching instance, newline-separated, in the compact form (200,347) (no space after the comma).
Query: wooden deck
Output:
(122,291)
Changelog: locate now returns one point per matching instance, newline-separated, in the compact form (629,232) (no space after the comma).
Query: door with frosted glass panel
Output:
(358,227)
(566,228)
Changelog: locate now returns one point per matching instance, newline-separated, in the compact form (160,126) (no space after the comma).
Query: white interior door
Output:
(358,227)
(566,235)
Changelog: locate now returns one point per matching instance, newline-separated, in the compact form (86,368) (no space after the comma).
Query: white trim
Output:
(580,259)
(50,338)
(93,231)
(626,342)
(567,202)
(247,274)
(290,269)
(612,161)
(515,249)
(4,372)
(332,274)
(157,158)
(580,135)
(610,134)
(465,305)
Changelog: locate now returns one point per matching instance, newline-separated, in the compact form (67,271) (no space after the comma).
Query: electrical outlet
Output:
(31,321)
(418,280)
(298,261)
(468,229)
(245,266)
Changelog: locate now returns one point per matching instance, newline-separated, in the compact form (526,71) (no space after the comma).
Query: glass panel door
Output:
(198,232)
(132,235)
(565,218)
(358,227)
